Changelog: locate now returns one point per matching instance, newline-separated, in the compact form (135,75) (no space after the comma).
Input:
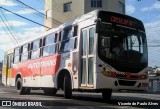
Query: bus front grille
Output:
(126,83)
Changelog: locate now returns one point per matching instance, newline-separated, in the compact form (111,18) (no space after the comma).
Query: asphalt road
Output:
(79,100)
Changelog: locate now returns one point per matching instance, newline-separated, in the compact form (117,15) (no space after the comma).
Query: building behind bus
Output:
(62,11)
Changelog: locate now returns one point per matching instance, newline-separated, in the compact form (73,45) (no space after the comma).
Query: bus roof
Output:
(69,23)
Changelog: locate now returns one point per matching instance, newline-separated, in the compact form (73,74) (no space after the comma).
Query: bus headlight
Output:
(108,73)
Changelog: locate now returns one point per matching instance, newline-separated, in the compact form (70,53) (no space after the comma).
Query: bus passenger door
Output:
(87,56)
(8,69)
(4,71)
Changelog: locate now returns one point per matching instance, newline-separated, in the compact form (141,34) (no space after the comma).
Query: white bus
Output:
(98,52)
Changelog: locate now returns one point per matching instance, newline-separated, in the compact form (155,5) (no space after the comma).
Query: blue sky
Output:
(149,12)
(21,28)
(146,10)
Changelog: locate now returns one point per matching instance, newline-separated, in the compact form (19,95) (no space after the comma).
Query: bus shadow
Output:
(80,99)
(97,100)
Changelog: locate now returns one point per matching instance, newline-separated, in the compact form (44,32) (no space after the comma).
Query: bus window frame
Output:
(47,45)
(5,60)
(25,52)
(33,50)
(67,40)
(16,55)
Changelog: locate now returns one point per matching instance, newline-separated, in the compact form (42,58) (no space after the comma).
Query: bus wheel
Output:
(67,87)
(20,88)
(106,94)
(50,91)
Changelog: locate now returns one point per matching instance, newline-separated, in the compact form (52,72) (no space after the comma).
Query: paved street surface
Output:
(79,100)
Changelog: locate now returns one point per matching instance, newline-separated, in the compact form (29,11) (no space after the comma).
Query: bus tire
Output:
(50,91)
(67,87)
(106,94)
(19,87)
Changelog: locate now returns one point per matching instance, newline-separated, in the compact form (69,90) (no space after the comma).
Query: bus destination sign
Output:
(116,18)
(121,21)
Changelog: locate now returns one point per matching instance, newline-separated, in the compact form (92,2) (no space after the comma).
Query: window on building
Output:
(96,3)
(67,7)
(121,7)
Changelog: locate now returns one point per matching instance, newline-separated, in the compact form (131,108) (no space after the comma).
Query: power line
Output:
(29,7)
(9,31)
(25,18)
(58,9)
(38,12)
(9,24)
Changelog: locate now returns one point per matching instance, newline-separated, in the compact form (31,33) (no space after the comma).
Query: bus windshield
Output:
(122,47)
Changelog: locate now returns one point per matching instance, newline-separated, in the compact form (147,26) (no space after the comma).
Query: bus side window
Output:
(9,62)
(24,55)
(68,42)
(56,37)
(41,48)
(59,41)
(60,35)
(67,33)
(20,53)
(75,43)
(49,46)
(16,54)
(29,51)
(5,60)
(75,33)
(35,49)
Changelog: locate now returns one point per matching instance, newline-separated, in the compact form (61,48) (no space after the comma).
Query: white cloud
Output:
(6,42)
(14,23)
(7,3)
(130,9)
(30,33)
(27,35)
(27,11)
(156,5)
(152,24)
(152,31)
(34,30)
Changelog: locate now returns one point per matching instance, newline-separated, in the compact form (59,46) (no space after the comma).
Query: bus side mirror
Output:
(98,25)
